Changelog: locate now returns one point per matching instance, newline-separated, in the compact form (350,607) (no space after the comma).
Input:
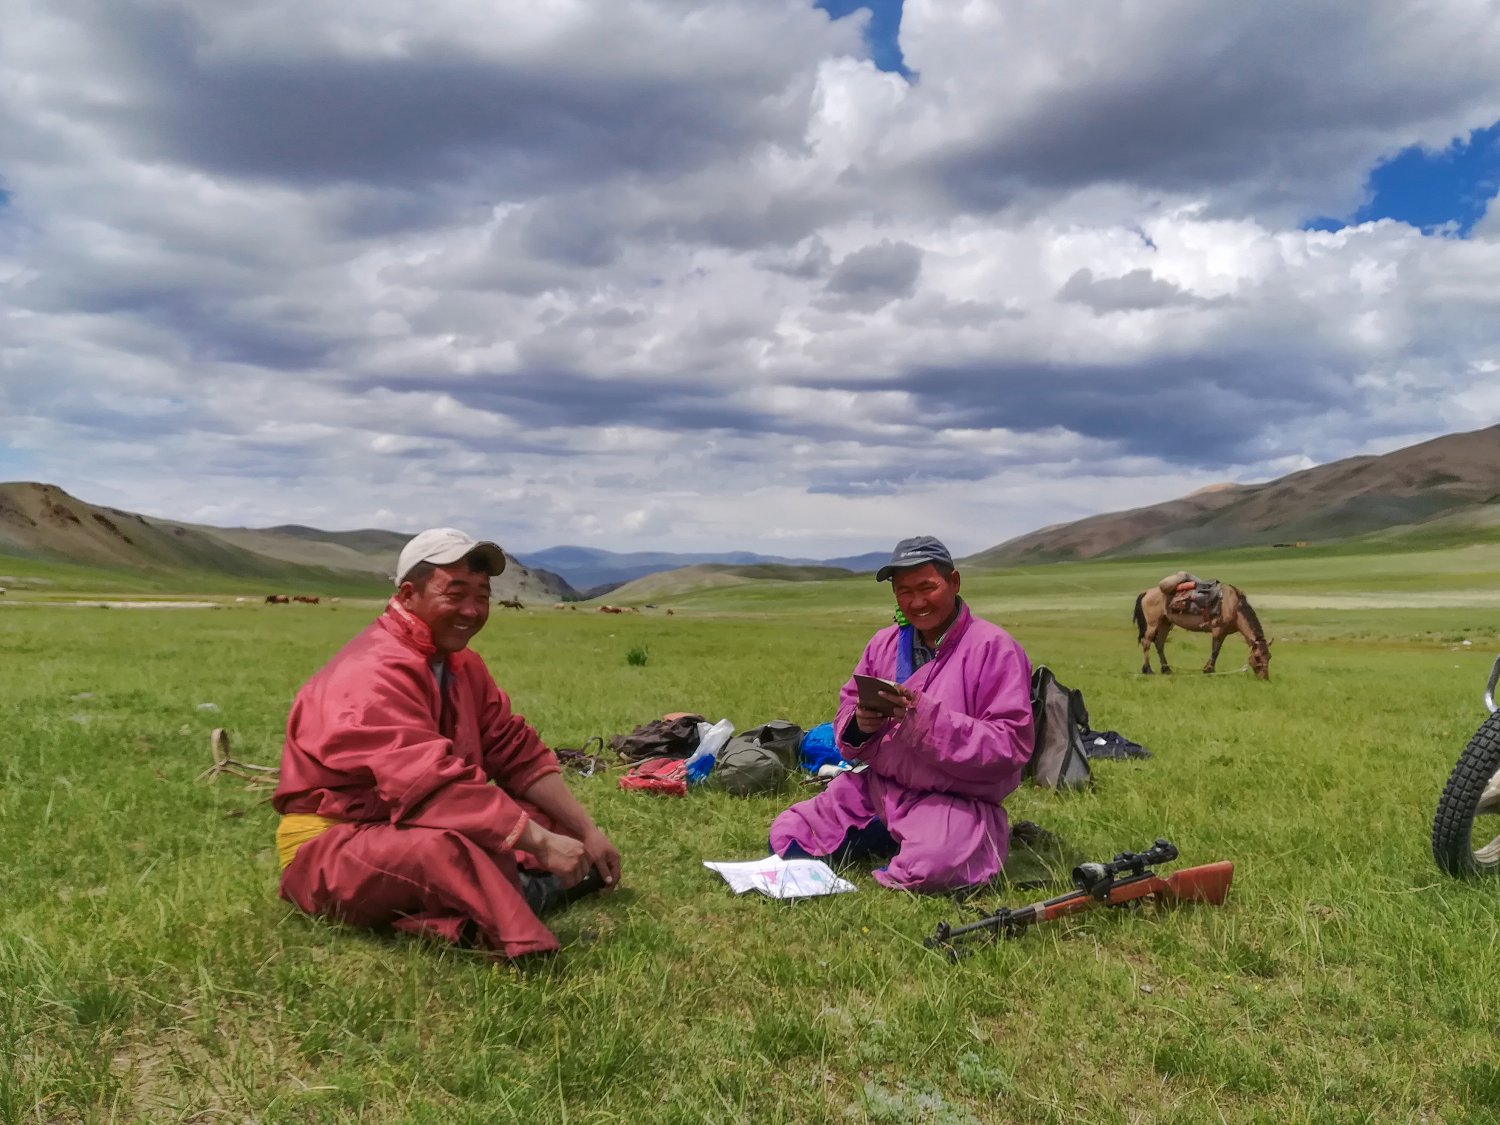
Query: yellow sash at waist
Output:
(297,829)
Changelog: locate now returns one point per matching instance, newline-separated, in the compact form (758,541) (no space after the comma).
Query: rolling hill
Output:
(41,521)
(598,571)
(705,576)
(1453,481)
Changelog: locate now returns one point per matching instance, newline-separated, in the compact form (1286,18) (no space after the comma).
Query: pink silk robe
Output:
(936,780)
(428,844)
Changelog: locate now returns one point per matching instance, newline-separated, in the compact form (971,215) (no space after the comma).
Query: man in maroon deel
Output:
(388,814)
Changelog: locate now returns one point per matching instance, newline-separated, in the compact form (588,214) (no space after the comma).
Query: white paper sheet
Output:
(782,878)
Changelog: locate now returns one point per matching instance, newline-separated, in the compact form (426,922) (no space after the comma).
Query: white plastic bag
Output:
(711,739)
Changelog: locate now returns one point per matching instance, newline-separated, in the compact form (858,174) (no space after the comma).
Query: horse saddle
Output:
(1196,596)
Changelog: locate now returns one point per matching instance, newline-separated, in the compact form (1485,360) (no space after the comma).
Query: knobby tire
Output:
(1453,826)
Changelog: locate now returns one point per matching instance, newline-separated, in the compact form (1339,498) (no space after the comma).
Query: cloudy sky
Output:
(715,274)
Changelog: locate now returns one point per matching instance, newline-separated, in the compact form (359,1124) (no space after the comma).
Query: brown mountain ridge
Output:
(41,521)
(1445,479)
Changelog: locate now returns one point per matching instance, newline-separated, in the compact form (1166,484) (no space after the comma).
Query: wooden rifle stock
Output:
(1208,883)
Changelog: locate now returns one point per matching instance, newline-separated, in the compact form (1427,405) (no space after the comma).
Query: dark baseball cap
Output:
(916,551)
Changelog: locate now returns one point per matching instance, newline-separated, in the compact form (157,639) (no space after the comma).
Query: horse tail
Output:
(1140,617)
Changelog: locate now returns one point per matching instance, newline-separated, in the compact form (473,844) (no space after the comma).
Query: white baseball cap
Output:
(444,545)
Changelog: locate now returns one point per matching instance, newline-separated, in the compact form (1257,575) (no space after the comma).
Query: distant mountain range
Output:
(1454,480)
(1447,489)
(596,571)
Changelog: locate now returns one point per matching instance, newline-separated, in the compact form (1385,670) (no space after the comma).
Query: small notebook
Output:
(870,688)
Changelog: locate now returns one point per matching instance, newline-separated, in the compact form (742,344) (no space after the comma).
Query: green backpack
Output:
(760,759)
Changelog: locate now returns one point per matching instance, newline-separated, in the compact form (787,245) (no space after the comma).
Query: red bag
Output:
(667,776)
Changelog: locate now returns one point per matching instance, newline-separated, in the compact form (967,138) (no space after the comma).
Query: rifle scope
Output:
(1095,879)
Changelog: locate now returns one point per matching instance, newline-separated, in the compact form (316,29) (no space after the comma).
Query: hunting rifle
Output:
(1122,880)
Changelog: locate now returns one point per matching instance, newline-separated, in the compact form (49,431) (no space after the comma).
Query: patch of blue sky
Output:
(882,33)
(15,465)
(1442,192)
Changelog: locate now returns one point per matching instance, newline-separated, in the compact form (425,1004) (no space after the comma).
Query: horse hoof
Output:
(1166,671)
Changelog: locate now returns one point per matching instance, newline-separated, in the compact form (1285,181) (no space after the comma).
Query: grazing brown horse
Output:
(1154,618)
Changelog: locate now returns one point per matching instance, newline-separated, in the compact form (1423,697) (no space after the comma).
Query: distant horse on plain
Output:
(1213,607)
(510,603)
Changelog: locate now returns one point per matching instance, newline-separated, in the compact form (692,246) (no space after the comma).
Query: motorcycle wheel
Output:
(1462,803)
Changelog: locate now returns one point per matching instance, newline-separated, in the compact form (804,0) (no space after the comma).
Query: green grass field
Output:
(148,971)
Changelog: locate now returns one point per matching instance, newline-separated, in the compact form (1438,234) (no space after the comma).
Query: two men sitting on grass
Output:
(411,794)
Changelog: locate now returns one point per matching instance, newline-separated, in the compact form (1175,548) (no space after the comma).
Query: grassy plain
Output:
(34,580)
(149,973)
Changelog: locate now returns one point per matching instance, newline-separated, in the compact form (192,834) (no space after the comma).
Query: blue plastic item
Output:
(818,749)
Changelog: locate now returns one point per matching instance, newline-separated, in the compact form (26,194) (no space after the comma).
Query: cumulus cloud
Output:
(1138,289)
(1280,108)
(873,276)
(659,275)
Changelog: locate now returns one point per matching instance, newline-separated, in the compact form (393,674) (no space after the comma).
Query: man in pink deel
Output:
(940,757)
(412,794)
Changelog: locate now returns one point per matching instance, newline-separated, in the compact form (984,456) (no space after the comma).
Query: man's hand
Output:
(869,721)
(901,698)
(564,856)
(550,794)
(604,855)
